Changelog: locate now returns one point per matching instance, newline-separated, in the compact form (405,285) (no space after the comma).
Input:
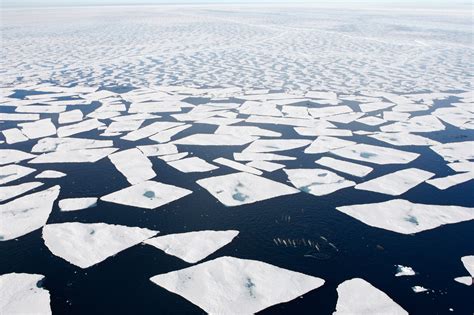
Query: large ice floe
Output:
(192,246)
(87,244)
(359,297)
(403,216)
(148,194)
(20,293)
(242,188)
(375,154)
(26,214)
(318,182)
(227,285)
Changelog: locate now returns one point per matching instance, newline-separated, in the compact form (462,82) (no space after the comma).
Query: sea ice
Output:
(83,126)
(9,173)
(345,167)
(150,130)
(227,284)
(403,138)
(70,116)
(50,174)
(375,154)
(8,192)
(237,166)
(148,195)
(38,129)
(405,217)
(214,140)
(73,204)
(452,180)
(242,188)
(14,135)
(133,164)
(87,244)
(20,294)
(265,165)
(358,297)
(192,164)
(317,181)
(192,246)
(8,156)
(396,183)
(404,271)
(324,144)
(455,151)
(75,156)
(26,214)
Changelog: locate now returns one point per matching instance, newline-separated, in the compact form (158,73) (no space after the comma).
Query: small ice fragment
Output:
(418,289)
(318,182)
(404,271)
(50,174)
(192,164)
(73,204)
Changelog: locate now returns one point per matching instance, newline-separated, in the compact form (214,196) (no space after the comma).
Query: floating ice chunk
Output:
(404,271)
(192,164)
(38,129)
(345,167)
(20,294)
(313,132)
(69,144)
(148,195)
(237,166)
(358,297)
(395,116)
(427,123)
(258,108)
(123,125)
(468,262)
(467,280)
(26,214)
(344,118)
(150,130)
(405,217)
(85,245)
(396,183)
(409,108)
(297,122)
(321,95)
(324,144)
(464,166)
(452,180)
(173,157)
(418,289)
(250,286)
(166,135)
(214,140)
(70,116)
(158,149)
(103,115)
(272,145)
(76,156)
(375,154)
(454,116)
(329,111)
(8,156)
(14,135)
(40,109)
(246,131)
(193,246)
(262,157)
(13,172)
(18,117)
(317,181)
(8,192)
(80,127)
(296,112)
(242,188)
(370,107)
(219,121)
(50,174)
(455,151)
(73,204)
(133,164)
(265,165)
(143,116)
(403,138)
(371,121)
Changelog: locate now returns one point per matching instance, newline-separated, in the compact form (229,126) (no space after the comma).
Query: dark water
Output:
(121,285)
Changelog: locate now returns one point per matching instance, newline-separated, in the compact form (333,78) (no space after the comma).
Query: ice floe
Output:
(375,154)
(73,204)
(193,246)
(192,164)
(9,173)
(214,140)
(452,180)
(26,214)
(38,129)
(87,244)
(75,156)
(8,156)
(324,144)
(50,174)
(456,151)
(14,135)
(237,166)
(133,164)
(243,188)
(148,195)
(80,127)
(8,192)
(406,217)
(150,130)
(250,286)
(246,131)
(358,297)
(396,183)
(71,116)
(265,165)
(419,289)
(403,139)
(404,271)
(317,181)
(345,167)
(21,294)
